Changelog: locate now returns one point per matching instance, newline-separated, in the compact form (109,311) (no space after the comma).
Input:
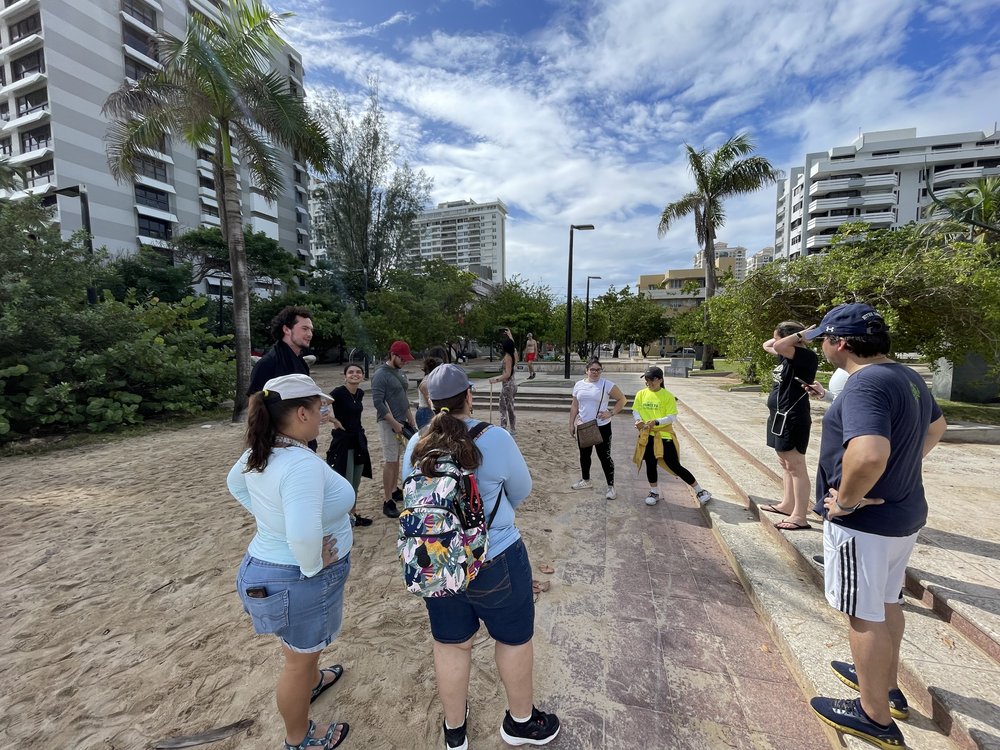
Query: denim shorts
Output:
(305,613)
(500,596)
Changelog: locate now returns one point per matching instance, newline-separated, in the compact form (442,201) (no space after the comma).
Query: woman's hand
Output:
(329,550)
(639,424)
(572,429)
(606,414)
(336,424)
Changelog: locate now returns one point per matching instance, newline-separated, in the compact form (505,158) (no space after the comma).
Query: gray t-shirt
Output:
(389,393)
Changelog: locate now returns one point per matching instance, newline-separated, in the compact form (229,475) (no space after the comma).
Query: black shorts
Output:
(795,436)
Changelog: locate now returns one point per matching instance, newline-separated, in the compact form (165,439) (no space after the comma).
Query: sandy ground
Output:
(121,626)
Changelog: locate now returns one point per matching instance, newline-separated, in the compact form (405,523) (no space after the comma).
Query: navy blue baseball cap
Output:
(852,319)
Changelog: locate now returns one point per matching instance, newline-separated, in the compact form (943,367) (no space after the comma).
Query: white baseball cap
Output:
(293,386)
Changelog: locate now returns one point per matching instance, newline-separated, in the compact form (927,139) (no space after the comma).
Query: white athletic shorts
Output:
(864,572)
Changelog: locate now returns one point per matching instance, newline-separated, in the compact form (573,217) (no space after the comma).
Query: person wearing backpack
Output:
(500,595)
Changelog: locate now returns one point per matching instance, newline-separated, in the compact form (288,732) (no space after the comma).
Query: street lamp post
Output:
(569,296)
(586,315)
(80,191)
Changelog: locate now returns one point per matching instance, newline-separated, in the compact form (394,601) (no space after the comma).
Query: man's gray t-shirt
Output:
(389,393)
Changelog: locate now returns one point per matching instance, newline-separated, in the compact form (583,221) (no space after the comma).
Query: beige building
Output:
(722,250)
(760,259)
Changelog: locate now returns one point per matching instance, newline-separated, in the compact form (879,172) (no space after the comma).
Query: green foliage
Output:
(66,366)
(423,308)
(147,273)
(327,317)
(521,306)
(205,250)
(631,318)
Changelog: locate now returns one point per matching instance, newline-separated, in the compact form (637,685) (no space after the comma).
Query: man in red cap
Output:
(389,386)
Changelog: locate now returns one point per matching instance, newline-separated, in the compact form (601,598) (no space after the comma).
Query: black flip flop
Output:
(789,526)
(772,509)
(338,672)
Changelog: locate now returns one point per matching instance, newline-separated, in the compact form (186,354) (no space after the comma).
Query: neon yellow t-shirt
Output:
(652,405)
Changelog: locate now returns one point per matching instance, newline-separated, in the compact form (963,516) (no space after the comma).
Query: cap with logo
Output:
(851,319)
(653,373)
(402,350)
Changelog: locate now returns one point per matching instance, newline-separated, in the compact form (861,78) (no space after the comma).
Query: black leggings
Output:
(670,458)
(603,454)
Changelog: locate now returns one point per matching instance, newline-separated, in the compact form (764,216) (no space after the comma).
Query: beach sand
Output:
(121,626)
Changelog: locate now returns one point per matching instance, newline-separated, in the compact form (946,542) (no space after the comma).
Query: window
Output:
(136,70)
(147,196)
(138,41)
(27,27)
(885,153)
(39,174)
(292,66)
(3,75)
(152,168)
(33,62)
(843,157)
(155,228)
(5,112)
(32,102)
(5,146)
(206,182)
(35,139)
(205,154)
(209,210)
(298,176)
(293,88)
(946,147)
(140,11)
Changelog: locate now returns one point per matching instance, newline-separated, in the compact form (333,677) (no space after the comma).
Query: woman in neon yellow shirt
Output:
(654,410)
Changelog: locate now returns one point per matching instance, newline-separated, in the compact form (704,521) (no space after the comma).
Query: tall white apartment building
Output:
(722,250)
(59,60)
(879,179)
(469,235)
(760,259)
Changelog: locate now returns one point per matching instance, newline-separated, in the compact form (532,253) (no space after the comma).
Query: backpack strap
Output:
(474,433)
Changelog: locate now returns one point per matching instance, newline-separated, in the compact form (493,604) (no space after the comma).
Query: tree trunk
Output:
(707,356)
(232,219)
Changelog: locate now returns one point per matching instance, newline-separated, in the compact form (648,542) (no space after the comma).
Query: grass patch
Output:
(481,374)
(955,411)
(51,443)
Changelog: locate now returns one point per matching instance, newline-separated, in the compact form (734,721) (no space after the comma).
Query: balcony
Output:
(137,24)
(33,155)
(818,241)
(15,7)
(166,187)
(210,220)
(142,57)
(832,222)
(28,82)
(858,201)
(24,44)
(31,116)
(822,187)
(965,174)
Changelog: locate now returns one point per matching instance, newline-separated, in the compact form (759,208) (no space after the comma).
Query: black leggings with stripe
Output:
(670,458)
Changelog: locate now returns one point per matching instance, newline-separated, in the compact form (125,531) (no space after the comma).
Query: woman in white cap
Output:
(501,594)
(292,577)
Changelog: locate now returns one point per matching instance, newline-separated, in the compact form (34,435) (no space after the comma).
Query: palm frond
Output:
(672,212)
(261,159)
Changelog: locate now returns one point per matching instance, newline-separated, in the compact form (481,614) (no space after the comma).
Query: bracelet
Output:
(798,335)
(846,510)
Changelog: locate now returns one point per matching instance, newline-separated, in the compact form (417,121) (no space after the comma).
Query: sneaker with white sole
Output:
(455,739)
(540,729)
(703,497)
(847,716)
(652,498)
(899,708)
(583,484)
(611,494)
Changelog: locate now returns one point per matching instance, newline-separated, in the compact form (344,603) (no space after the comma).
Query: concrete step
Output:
(946,676)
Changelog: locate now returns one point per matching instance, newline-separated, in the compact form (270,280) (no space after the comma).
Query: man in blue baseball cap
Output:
(870,491)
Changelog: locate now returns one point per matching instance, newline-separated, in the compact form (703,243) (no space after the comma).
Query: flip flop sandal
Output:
(789,526)
(324,742)
(337,671)
(543,568)
(772,509)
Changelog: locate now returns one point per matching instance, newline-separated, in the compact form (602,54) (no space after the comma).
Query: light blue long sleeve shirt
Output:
(297,501)
(503,466)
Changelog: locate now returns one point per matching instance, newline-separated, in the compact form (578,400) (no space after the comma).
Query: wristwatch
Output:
(798,335)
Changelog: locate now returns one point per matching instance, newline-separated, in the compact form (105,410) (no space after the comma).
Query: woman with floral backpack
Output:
(500,595)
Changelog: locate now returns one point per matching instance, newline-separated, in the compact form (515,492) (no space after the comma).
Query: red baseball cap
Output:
(402,350)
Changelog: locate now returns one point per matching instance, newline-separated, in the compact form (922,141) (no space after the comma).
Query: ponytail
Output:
(446,433)
(267,415)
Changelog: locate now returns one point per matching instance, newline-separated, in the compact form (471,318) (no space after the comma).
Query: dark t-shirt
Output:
(279,360)
(347,408)
(892,401)
(786,395)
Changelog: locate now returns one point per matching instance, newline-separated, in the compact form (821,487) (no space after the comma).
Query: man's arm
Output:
(378,395)
(934,434)
(865,460)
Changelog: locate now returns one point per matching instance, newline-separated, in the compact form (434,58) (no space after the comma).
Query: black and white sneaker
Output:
(455,739)
(540,729)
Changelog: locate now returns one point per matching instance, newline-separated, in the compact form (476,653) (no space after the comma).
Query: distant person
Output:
(590,401)
(292,332)
(530,354)
(424,411)
(870,490)
(789,421)
(291,580)
(508,387)
(348,451)
(392,404)
(654,410)
(500,596)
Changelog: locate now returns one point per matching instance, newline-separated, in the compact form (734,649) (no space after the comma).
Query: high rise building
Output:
(880,179)
(59,60)
(722,250)
(469,235)
(760,259)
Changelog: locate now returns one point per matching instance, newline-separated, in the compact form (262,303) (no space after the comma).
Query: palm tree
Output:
(217,86)
(719,174)
(11,177)
(971,213)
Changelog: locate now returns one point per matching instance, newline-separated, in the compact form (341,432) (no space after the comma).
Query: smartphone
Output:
(800,381)
(778,425)
(257,592)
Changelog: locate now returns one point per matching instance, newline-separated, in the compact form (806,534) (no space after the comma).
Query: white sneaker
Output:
(583,484)
(652,498)
(703,497)
(611,493)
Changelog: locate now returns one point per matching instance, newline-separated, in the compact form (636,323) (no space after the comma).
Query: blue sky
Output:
(577,112)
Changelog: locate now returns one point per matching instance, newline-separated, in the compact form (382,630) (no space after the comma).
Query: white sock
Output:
(654,491)
(696,487)
(449,726)
(516,720)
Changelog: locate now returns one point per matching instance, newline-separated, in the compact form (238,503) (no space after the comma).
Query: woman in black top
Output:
(348,452)
(788,422)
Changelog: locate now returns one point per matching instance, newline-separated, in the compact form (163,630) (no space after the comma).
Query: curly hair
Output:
(287,317)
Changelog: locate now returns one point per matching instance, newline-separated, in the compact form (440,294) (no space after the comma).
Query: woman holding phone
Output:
(789,421)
